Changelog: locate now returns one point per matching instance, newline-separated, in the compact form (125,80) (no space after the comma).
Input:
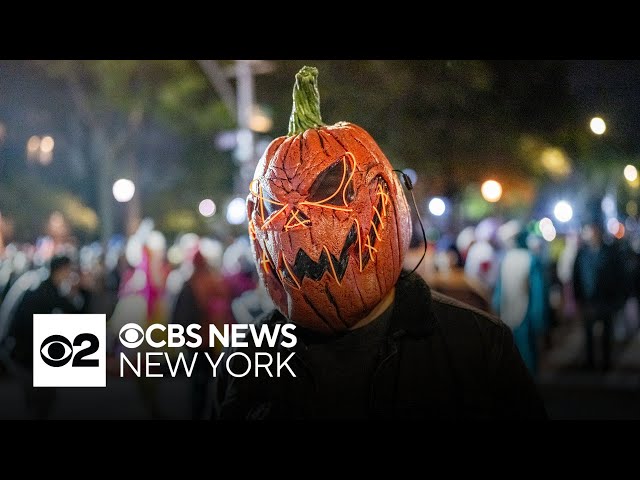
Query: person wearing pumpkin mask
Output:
(329,226)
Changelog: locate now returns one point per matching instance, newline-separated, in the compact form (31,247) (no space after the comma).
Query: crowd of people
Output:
(506,268)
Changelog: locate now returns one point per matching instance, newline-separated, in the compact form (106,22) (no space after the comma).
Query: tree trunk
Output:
(102,154)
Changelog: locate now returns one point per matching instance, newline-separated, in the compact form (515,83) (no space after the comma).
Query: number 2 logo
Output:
(56,350)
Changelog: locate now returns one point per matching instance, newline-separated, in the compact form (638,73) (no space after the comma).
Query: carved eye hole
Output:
(268,204)
(332,183)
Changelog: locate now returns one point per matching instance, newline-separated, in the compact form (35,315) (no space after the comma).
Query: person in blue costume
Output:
(520,298)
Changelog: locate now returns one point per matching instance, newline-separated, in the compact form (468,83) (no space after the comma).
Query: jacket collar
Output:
(412,313)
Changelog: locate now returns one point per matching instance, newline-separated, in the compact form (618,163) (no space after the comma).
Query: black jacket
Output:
(441,359)
(44,299)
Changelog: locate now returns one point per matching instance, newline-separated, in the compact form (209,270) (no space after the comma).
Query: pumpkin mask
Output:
(328,220)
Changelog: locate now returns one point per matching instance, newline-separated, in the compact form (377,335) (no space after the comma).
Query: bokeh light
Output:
(207,207)
(597,125)
(437,206)
(491,191)
(47,144)
(33,144)
(547,229)
(236,211)
(630,173)
(563,211)
(123,190)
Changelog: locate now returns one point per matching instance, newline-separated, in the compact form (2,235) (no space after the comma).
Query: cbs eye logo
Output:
(57,350)
(131,335)
(64,346)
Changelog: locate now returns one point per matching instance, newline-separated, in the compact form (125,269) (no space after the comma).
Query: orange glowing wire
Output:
(302,223)
(265,262)
(375,230)
(330,207)
(252,231)
(371,247)
(251,186)
(295,279)
(321,204)
(261,204)
(379,217)
(385,198)
(273,217)
(359,242)
(335,275)
(344,174)
(353,171)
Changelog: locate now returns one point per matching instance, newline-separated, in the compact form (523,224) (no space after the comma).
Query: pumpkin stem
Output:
(305,113)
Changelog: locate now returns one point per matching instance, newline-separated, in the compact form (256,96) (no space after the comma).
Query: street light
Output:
(236,211)
(437,206)
(40,149)
(123,190)
(563,211)
(630,173)
(491,191)
(597,125)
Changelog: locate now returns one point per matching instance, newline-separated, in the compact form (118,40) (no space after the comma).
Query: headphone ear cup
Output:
(407,181)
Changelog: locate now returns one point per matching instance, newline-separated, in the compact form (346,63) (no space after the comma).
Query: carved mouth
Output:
(364,250)
(305,266)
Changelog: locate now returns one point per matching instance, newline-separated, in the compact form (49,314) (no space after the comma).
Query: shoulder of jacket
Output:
(450,309)
(270,318)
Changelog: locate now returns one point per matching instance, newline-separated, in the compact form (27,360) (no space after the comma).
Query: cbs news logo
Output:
(69,350)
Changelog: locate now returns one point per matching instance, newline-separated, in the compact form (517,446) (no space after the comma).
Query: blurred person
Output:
(520,298)
(204,299)
(481,262)
(141,300)
(449,279)
(60,292)
(564,270)
(252,304)
(598,282)
(240,272)
(330,225)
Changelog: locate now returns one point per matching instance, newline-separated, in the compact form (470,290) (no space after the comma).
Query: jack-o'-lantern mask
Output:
(328,220)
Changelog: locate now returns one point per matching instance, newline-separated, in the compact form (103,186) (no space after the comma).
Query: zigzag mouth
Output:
(304,266)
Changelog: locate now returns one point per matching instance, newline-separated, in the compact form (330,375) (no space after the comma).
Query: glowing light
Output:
(47,144)
(491,191)
(630,173)
(236,211)
(608,206)
(613,225)
(260,121)
(437,206)
(632,208)
(597,125)
(123,190)
(620,233)
(549,234)
(547,229)
(563,211)
(33,145)
(555,161)
(207,207)
(3,132)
